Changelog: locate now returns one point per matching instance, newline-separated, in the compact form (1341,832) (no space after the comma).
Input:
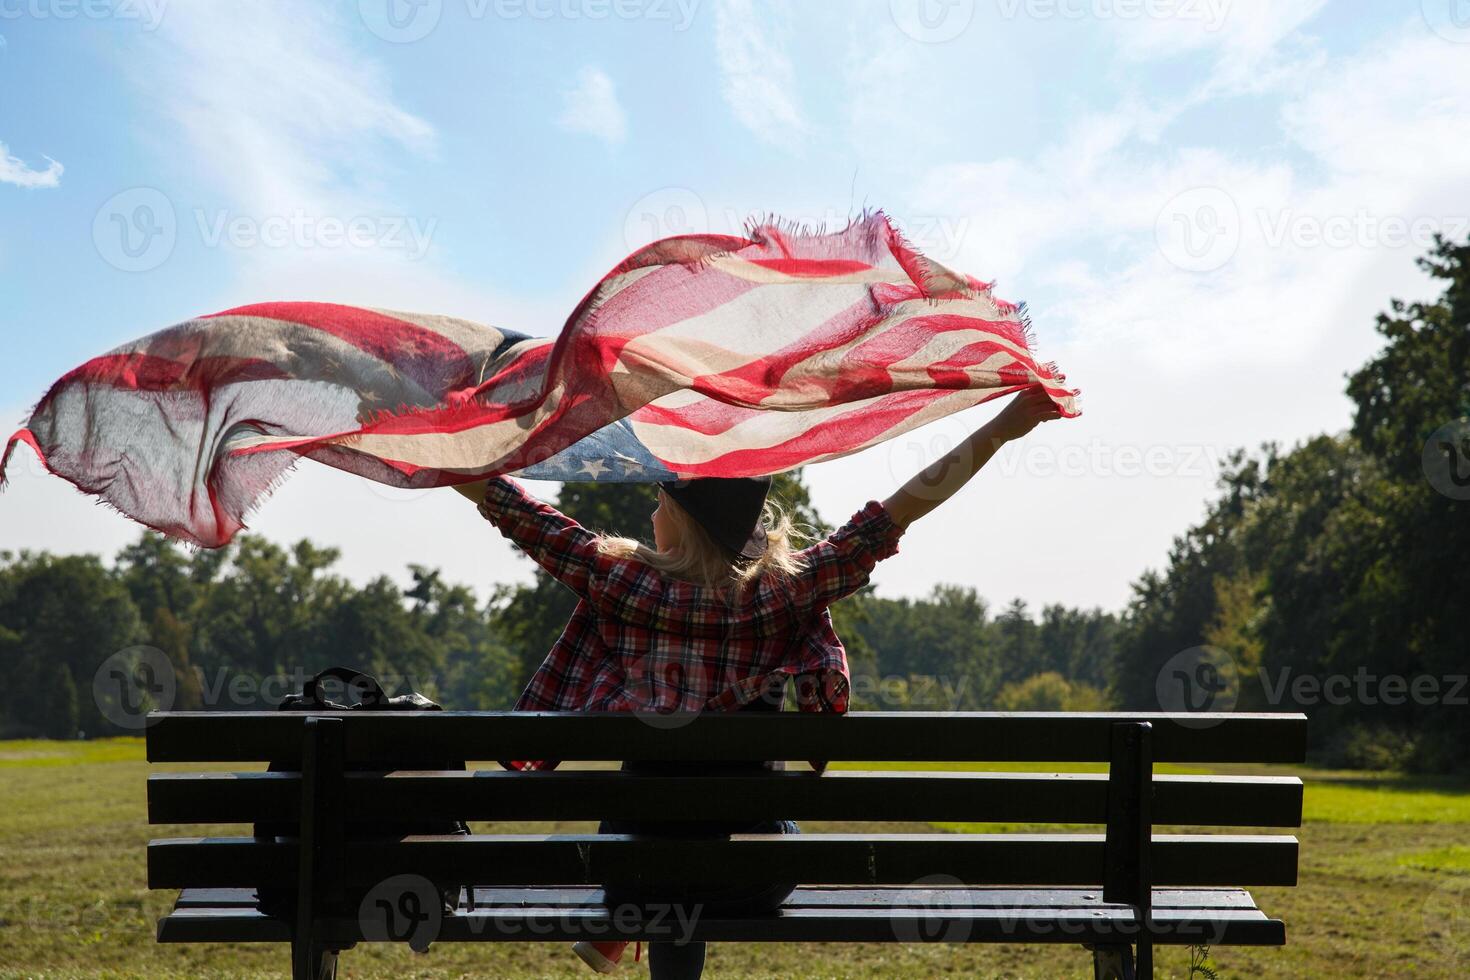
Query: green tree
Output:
(269,611)
(59,712)
(65,611)
(1171,611)
(1050,691)
(1016,643)
(478,670)
(168,593)
(1405,397)
(1040,692)
(942,637)
(372,629)
(1079,644)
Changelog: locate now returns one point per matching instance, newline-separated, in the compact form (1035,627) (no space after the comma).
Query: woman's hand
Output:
(474,491)
(1028,409)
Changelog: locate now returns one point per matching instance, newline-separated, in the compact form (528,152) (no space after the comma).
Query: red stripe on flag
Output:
(837,434)
(707,417)
(812,268)
(23,436)
(863,370)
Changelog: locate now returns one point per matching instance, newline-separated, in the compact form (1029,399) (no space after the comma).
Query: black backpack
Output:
(282,901)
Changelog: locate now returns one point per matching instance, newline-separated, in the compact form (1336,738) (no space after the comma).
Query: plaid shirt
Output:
(638,641)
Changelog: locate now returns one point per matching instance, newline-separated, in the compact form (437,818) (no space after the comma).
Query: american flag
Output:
(697,355)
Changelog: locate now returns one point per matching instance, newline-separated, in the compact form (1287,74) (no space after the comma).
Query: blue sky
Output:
(1204,203)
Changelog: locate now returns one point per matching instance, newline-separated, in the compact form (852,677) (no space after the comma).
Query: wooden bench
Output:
(1115,892)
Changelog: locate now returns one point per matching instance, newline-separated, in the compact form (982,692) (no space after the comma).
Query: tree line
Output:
(1331,578)
(241,626)
(1328,578)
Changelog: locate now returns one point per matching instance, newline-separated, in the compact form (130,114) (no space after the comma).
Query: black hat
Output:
(728,508)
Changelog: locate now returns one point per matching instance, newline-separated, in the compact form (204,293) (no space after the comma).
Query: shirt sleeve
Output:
(841,563)
(823,684)
(564,548)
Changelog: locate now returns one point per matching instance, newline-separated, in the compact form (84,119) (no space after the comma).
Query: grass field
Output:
(1385,892)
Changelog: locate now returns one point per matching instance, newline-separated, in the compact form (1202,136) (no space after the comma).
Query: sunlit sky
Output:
(1204,203)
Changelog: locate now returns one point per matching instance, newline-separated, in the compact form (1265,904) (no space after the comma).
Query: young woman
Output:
(718,614)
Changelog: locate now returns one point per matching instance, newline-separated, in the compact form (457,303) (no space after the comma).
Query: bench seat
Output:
(1218,916)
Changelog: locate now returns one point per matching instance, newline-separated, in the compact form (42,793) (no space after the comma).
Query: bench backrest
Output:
(1128,800)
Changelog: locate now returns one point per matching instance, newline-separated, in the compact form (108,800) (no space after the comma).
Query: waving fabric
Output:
(699,355)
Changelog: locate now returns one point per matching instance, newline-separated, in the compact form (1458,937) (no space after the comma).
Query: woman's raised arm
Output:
(938,481)
(566,549)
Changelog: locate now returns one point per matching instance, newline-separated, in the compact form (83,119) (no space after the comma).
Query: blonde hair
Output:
(699,559)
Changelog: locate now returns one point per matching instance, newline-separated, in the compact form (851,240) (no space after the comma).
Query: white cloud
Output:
(295,134)
(876,66)
(758,80)
(280,114)
(1397,111)
(1378,126)
(1246,37)
(591,106)
(14,171)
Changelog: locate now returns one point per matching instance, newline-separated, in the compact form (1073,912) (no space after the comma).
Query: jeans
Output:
(685,960)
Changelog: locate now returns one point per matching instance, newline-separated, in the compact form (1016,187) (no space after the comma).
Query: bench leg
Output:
(1112,963)
(315,963)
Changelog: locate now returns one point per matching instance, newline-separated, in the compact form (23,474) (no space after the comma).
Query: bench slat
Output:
(1239,927)
(1077,798)
(998,859)
(222,925)
(811,896)
(408,738)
